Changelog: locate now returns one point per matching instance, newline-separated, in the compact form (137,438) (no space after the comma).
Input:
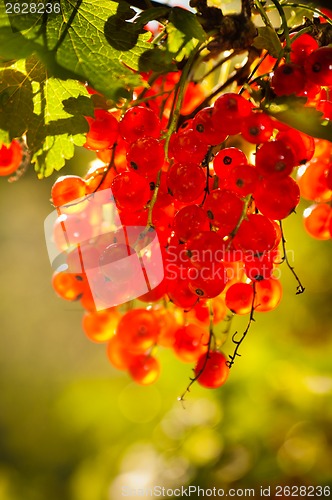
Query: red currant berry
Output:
(144,369)
(230,111)
(189,221)
(131,191)
(239,298)
(257,128)
(302,145)
(69,286)
(103,132)
(302,47)
(10,158)
(138,329)
(67,188)
(206,129)
(224,209)
(258,268)
(318,66)
(317,219)
(190,342)
(275,158)
(268,294)
(208,281)
(256,234)
(212,372)
(277,198)
(242,179)
(312,181)
(138,122)
(226,159)
(146,156)
(186,182)
(186,146)
(100,326)
(288,79)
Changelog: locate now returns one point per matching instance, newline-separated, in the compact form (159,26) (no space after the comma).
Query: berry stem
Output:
(237,343)
(218,64)
(300,288)
(285,29)
(309,7)
(207,356)
(247,201)
(207,159)
(178,98)
(263,14)
(153,200)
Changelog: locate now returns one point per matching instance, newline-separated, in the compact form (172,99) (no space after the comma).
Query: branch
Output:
(207,355)
(300,288)
(237,343)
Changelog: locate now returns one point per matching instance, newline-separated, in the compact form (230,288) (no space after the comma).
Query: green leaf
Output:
(48,110)
(83,43)
(268,39)
(90,40)
(187,23)
(292,111)
(58,122)
(159,59)
(16,103)
(152,14)
(178,44)
(14,46)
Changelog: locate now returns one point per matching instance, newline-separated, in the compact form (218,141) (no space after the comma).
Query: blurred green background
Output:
(73,428)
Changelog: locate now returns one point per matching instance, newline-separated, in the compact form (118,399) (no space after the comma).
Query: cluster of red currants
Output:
(308,70)
(216,212)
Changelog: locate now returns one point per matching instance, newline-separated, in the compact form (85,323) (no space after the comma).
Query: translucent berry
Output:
(239,298)
(186,182)
(224,209)
(138,329)
(230,112)
(302,47)
(190,342)
(277,198)
(103,131)
(186,146)
(67,188)
(257,128)
(189,221)
(288,79)
(146,156)
(212,370)
(318,66)
(317,220)
(139,122)
(144,369)
(10,158)
(275,159)
(130,190)
(206,129)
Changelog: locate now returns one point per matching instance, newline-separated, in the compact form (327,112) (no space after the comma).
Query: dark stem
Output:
(206,161)
(207,355)
(237,343)
(300,288)
(68,25)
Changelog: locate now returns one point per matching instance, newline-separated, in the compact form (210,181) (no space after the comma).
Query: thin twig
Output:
(237,343)
(300,288)
(207,355)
